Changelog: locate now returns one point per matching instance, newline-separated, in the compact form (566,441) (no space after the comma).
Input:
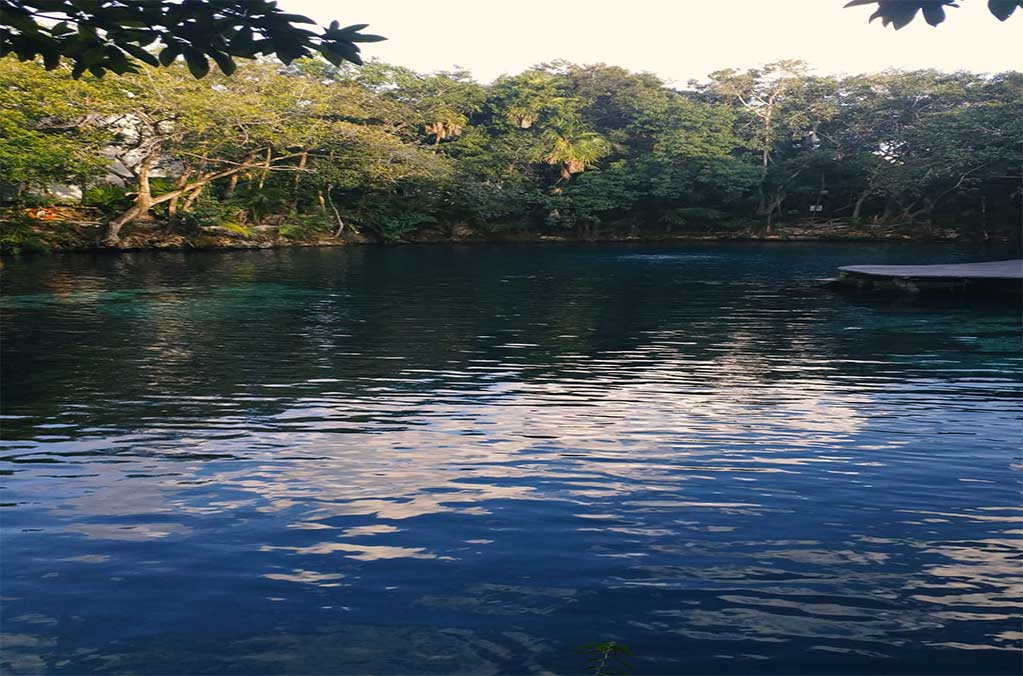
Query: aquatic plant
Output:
(607,658)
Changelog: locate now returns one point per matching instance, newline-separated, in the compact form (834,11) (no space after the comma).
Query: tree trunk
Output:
(775,205)
(143,199)
(190,200)
(337,216)
(910,216)
(889,210)
(195,188)
(761,193)
(172,206)
(302,159)
(860,201)
(232,184)
(765,159)
(983,216)
(266,169)
(113,230)
(928,210)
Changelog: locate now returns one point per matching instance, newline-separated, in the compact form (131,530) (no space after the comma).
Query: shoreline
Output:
(69,237)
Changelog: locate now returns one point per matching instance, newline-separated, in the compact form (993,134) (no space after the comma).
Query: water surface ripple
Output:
(475,459)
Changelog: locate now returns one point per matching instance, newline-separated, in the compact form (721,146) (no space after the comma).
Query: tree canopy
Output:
(559,148)
(117,35)
(901,13)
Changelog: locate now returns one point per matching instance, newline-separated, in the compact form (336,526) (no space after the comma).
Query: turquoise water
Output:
(475,459)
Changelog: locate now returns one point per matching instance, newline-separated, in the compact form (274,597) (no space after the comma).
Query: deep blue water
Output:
(475,459)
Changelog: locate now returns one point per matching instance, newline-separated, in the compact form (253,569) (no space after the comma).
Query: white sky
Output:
(676,39)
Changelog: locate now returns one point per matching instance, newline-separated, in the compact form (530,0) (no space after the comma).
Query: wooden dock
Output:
(994,276)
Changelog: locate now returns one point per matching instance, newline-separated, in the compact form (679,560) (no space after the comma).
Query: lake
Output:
(479,458)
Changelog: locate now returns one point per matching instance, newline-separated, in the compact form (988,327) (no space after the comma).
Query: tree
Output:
(311,148)
(38,128)
(696,162)
(525,99)
(784,107)
(435,107)
(589,199)
(900,13)
(952,144)
(324,134)
(116,35)
(201,133)
(572,148)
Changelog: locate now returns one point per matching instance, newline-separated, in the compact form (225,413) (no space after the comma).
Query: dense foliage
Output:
(560,148)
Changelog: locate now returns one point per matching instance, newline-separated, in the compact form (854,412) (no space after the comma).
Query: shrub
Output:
(304,227)
(17,236)
(237,228)
(204,214)
(691,216)
(108,199)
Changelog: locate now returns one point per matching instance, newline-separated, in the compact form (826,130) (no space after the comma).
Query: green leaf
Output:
(139,37)
(338,51)
(198,64)
(94,54)
(61,29)
(354,28)
(292,18)
(241,44)
(331,55)
(20,20)
(168,55)
(51,60)
(141,54)
(360,37)
(224,62)
(117,61)
(122,68)
(288,48)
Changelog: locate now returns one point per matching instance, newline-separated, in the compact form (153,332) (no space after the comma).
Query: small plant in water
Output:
(606,659)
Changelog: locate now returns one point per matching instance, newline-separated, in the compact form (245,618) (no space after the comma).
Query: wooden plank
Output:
(1011,269)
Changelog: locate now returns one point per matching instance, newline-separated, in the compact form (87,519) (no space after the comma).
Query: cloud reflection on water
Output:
(345,477)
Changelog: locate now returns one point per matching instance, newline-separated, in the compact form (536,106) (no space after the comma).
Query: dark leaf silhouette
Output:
(118,34)
(900,13)
(1003,9)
